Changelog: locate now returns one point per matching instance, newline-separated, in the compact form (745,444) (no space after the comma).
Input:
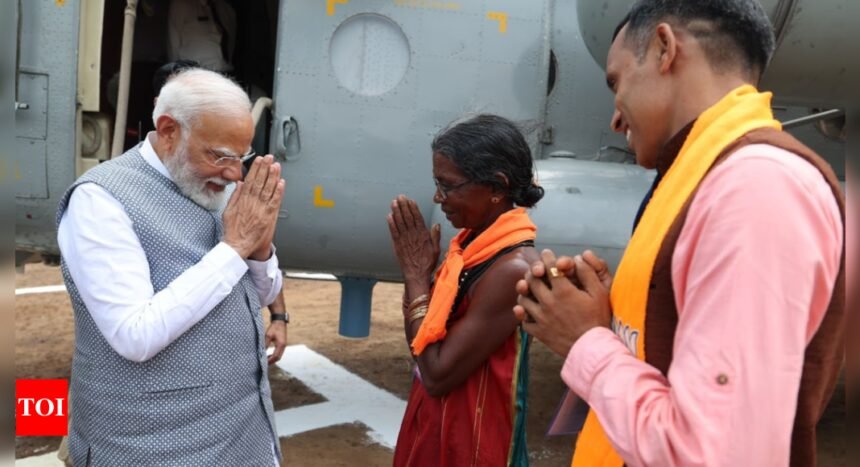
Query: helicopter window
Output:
(369,54)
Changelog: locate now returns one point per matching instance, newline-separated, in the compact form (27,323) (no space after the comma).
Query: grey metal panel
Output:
(32,122)
(365,150)
(30,163)
(359,246)
(449,36)
(817,62)
(446,84)
(580,106)
(49,41)
(514,96)
(521,43)
(589,205)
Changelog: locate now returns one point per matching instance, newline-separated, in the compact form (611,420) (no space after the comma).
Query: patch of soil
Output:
(335,446)
(289,392)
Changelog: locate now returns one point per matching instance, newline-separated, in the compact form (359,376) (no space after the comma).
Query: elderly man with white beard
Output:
(166,278)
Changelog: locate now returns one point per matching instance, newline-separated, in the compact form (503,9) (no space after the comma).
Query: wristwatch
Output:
(285,317)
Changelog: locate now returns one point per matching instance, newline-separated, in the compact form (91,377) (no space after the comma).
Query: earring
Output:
(495,199)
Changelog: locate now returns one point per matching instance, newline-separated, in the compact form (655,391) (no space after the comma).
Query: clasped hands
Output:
(415,246)
(252,212)
(562,299)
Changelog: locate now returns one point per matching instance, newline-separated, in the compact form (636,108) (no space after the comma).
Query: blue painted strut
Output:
(356,296)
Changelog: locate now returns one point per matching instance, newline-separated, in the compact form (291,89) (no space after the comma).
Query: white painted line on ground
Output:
(43,460)
(309,417)
(350,398)
(38,290)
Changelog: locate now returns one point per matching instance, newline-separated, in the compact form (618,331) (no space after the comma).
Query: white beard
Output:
(193,186)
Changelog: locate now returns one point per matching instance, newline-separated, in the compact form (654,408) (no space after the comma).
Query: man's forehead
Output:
(224,124)
(618,50)
(222,120)
(612,59)
(618,41)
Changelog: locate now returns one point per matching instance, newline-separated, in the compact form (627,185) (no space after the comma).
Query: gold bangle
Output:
(418,306)
(420,298)
(417,310)
(417,314)
(418,302)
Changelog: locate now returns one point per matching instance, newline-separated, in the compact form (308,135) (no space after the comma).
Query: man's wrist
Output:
(285,317)
(583,331)
(417,287)
(262,254)
(588,355)
(243,253)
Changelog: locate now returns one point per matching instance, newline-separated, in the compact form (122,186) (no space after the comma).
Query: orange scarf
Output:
(739,112)
(509,229)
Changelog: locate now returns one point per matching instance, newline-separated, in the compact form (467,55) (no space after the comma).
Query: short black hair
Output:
(733,33)
(164,72)
(485,145)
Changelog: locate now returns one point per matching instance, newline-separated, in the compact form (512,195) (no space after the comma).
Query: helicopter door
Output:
(361,87)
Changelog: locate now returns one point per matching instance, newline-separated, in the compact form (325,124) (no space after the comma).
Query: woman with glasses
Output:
(468,398)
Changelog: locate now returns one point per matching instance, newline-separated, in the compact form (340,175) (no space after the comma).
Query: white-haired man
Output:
(167,278)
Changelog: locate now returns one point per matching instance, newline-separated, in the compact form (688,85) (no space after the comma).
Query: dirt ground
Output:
(44,340)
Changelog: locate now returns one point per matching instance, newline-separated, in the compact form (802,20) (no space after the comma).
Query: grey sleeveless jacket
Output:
(204,399)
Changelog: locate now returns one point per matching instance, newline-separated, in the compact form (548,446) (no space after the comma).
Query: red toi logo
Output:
(42,407)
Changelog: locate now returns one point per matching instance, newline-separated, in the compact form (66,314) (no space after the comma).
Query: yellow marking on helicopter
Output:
(501,17)
(331,6)
(4,171)
(319,201)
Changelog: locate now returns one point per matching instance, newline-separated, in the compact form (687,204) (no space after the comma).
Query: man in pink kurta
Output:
(753,280)
(753,272)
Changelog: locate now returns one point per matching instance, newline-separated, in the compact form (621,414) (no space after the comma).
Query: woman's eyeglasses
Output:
(445,188)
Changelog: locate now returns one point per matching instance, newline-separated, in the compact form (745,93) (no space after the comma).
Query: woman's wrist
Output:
(413,293)
(416,288)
